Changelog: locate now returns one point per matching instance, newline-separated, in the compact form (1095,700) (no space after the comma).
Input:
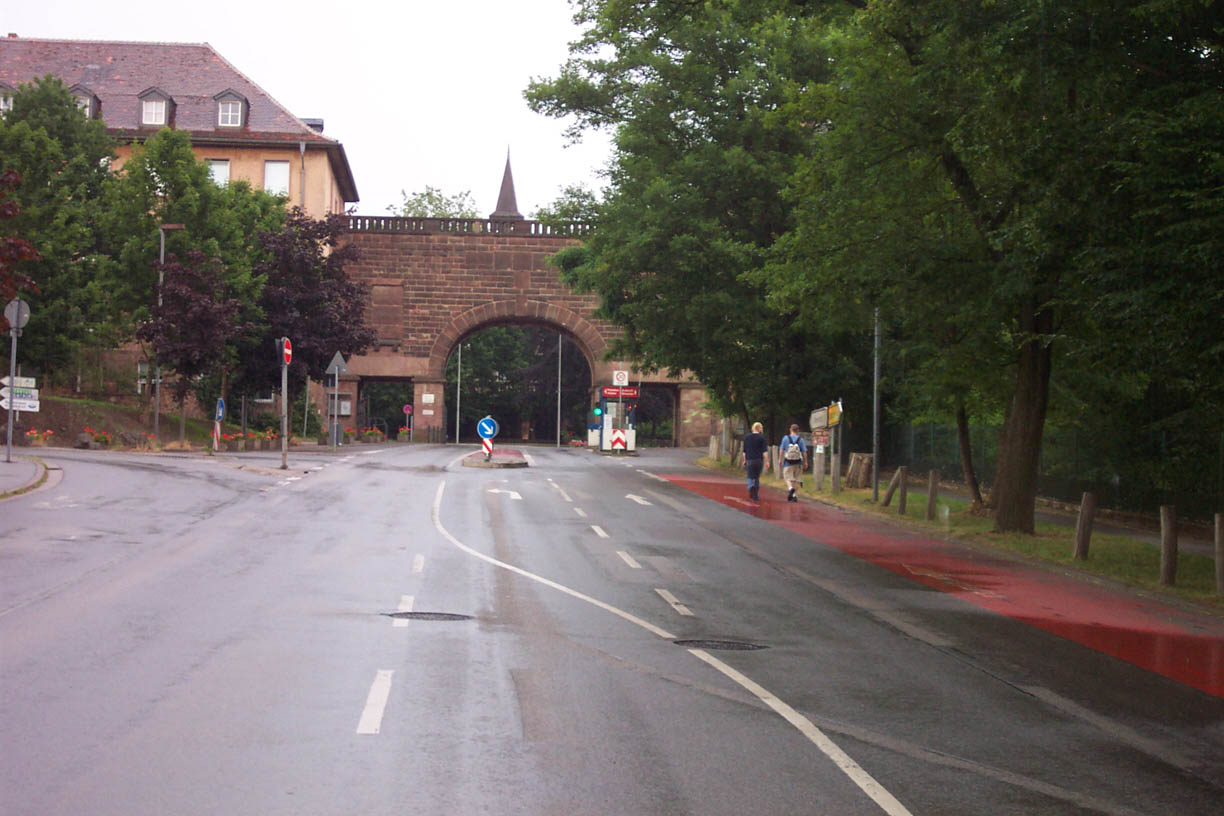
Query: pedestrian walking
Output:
(793,451)
(755,459)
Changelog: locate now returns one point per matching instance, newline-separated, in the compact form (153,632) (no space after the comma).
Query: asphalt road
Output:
(192,636)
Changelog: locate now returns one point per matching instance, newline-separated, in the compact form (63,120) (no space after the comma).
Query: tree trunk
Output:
(966,455)
(1015,492)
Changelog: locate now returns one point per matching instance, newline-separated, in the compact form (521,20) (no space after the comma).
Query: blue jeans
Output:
(755,466)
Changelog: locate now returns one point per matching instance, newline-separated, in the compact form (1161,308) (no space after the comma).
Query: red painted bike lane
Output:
(1180,645)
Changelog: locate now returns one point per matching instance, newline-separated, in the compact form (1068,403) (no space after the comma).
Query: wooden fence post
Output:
(1083,526)
(932,494)
(903,487)
(1168,544)
(892,487)
(1219,552)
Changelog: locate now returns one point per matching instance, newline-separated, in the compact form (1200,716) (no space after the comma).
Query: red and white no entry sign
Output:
(287,347)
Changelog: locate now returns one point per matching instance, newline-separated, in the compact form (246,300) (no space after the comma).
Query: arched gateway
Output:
(434,281)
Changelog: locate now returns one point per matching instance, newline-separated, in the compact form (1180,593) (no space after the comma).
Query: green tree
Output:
(63,161)
(433,203)
(702,103)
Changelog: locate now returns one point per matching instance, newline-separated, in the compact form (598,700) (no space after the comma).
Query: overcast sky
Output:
(419,93)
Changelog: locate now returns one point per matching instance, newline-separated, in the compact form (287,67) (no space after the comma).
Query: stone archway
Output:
(520,311)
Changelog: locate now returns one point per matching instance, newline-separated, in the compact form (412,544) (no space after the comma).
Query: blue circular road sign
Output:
(487,428)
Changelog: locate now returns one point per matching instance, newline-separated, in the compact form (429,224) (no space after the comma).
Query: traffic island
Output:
(501,458)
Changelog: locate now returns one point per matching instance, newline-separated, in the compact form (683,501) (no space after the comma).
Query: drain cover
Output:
(726,645)
(428,616)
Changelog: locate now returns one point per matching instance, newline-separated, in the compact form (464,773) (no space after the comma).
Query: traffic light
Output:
(597,411)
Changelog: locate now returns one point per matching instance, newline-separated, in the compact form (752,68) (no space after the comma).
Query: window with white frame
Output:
(229,114)
(6,100)
(86,106)
(153,112)
(219,169)
(276,177)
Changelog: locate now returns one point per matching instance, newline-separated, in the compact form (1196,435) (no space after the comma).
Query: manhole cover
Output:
(726,645)
(428,616)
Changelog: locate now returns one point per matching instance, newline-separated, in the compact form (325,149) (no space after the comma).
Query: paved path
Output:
(1177,644)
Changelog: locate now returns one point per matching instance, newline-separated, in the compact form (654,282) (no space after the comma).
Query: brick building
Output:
(235,126)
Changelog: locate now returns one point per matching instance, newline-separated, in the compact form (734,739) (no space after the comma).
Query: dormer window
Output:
(231,109)
(6,98)
(156,107)
(86,100)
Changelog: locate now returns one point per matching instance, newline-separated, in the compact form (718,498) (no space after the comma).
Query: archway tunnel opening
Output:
(510,372)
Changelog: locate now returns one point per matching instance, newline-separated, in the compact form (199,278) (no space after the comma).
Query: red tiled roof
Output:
(192,74)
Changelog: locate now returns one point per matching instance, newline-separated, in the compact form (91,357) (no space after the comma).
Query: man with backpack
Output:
(793,451)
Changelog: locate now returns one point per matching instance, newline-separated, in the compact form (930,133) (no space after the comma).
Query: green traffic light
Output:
(597,410)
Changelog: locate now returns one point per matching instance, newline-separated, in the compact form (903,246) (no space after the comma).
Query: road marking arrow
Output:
(512,493)
(637,499)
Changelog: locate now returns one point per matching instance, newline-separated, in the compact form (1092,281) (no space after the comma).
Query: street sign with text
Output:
(626,392)
(19,382)
(19,392)
(9,404)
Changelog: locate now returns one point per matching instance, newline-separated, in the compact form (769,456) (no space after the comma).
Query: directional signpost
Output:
(487,428)
(17,313)
(336,367)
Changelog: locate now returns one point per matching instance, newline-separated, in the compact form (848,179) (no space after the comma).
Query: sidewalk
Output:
(20,473)
(1182,645)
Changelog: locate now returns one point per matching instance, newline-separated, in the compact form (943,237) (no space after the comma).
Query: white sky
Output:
(419,93)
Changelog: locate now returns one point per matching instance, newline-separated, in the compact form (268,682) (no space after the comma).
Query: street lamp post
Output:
(161,262)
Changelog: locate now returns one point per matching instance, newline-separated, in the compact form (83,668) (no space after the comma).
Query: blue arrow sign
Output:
(487,428)
(220,409)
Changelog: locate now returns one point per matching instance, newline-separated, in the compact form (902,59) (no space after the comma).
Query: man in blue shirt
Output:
(756,452)
(793,451)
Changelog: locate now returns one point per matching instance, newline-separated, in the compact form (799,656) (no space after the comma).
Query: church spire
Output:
(507,207)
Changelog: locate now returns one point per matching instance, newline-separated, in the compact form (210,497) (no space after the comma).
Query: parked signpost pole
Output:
(161,257)
(336,367)
(286,356)
(17,313)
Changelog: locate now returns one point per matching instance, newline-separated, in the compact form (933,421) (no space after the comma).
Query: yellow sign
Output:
(835,413)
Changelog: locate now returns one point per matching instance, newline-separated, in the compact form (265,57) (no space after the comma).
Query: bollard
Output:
(903,490)
(1168,544)
(835,469)
(818,470)
(1083,526)
(1219,552)
(932,494)
(892,487)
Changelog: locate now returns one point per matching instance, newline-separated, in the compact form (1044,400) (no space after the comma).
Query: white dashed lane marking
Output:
(628,559)
(680,608)
(418,563)
(405,605)
(376,703)
(599,531)
(581,513)
(638,499)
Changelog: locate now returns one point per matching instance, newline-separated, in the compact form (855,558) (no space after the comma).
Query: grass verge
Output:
(1118,558)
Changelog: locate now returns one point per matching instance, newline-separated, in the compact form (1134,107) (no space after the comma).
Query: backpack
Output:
(793,453)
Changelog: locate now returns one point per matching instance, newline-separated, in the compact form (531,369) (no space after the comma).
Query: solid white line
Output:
(437,521)
(637,499)
(406,603)
(581,513)
(376,703)
(628,559)
(599,531)
(651,475)
(418,563)
(564,495)
(848,766)
(371,453)
(680,608)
